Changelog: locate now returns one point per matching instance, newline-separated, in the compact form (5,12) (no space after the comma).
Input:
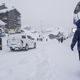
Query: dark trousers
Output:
(0,43)
(79,54)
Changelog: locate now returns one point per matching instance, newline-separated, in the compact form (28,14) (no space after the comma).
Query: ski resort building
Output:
(12,18)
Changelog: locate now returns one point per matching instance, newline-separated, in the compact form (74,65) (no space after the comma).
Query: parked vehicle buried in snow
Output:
(21,42)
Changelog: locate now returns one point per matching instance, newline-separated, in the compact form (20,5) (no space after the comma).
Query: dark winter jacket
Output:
(78,23)
(76,39)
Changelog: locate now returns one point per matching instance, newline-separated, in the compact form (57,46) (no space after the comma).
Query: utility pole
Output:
(41,26)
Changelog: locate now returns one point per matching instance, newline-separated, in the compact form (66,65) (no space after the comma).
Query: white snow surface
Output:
(51,60)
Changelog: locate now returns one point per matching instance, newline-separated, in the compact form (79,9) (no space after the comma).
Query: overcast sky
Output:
(48,13)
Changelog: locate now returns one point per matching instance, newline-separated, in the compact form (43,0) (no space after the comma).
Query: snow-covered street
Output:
(35,39)
(49,61)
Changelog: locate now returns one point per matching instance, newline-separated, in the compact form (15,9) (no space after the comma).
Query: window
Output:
(23,36)
(30,37)
(0,31)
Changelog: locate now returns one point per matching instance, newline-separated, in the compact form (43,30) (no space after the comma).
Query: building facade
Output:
(12,18)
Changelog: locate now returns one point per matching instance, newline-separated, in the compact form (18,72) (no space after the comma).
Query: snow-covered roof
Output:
(2,23)
(5,10)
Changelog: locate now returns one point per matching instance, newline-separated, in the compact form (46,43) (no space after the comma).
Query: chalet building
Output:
(12,18)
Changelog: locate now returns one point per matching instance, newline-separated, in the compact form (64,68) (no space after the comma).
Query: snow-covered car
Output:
(21,42)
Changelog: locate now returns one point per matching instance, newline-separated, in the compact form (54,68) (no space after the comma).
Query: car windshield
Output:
(23,36)
(30,37)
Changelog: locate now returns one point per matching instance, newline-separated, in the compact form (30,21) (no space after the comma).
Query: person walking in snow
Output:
(76,21)
(76,38)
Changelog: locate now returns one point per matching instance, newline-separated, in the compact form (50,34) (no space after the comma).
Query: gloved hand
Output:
(72,48)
